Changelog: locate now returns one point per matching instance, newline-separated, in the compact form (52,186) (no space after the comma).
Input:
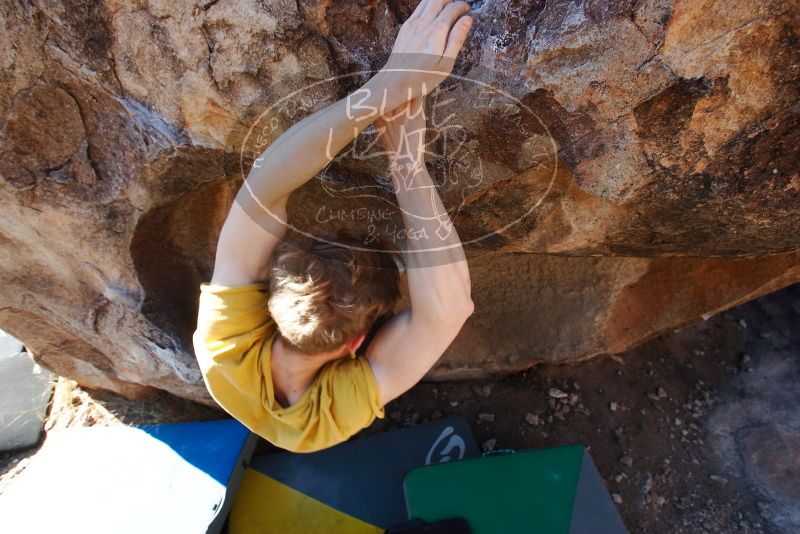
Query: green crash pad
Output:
(554,490)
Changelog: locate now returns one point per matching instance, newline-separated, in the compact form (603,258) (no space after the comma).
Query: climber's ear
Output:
(355,342)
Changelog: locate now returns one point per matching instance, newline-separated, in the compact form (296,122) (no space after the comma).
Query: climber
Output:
(279,326)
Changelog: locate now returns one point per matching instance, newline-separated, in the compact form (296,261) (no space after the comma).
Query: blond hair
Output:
(322,296)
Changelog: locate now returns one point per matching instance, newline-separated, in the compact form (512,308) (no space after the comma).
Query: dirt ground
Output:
(695,431)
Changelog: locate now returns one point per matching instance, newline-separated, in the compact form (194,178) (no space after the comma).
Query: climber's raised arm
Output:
(438,278)
(255,223)
(406,347)
(422,57)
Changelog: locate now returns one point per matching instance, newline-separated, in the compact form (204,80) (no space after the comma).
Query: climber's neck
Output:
(293,372)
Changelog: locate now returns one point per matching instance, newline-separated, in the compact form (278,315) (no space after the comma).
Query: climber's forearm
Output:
(438,277)
(410,343)
(308,146)
(257,220)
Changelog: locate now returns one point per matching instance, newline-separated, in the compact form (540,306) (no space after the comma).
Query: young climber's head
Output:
(329,295)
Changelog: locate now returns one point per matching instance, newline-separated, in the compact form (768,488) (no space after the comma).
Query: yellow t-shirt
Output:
(233,344)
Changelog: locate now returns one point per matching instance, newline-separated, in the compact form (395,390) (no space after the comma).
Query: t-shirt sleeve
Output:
(232,315)
(353,397)
(233,324)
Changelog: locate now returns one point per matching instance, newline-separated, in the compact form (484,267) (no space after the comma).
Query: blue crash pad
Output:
(165,478)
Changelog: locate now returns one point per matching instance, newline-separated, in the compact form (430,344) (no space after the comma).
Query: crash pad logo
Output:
(447,447)
(478,139)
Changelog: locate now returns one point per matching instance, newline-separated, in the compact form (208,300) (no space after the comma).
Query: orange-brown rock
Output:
(616,168)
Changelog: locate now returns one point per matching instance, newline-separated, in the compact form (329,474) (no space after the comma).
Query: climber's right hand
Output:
(426,47)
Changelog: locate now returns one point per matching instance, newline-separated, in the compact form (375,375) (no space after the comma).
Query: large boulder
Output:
(616,168)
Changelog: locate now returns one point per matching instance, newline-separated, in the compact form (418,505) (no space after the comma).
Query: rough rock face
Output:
(616,168)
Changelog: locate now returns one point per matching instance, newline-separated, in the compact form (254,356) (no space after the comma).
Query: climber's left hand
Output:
(426,46)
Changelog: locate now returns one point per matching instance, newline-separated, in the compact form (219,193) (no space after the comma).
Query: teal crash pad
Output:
(556,490)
